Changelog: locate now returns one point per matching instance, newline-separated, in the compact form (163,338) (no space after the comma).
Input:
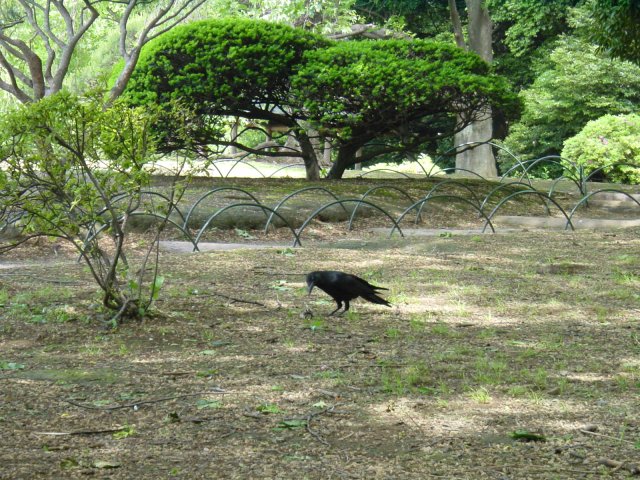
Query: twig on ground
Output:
(143,402)
(232,299)
(83,432)
(606,436)
(616,465)
(313,415)
(40,279)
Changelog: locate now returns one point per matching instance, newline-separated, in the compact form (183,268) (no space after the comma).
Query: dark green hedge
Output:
(221,65)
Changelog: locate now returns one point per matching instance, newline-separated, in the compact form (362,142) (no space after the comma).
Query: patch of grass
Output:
(127,431)
(490,371)
(204,403)
(330,374)
(268,408)
(352,316)
(392,333)
(411,378)
(316,324)
(480,395)
(444,330)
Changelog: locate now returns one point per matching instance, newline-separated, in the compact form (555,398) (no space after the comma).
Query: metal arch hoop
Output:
(324,207)
(383,170)
(264,209)
(373,189)
(528,192)
(466,170)
(285,167)
(240,160)
(293,194)
(211,192)
(587,197)
(451,197)
(505,185)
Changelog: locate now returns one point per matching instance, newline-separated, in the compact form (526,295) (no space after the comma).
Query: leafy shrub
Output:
(580,86)
(611,139)
(74,170)
(224,67)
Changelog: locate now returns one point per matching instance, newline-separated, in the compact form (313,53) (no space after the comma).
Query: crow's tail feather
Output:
(373,298)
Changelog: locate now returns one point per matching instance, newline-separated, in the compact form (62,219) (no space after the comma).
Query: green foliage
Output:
(526,23)
(404,93)
(607,140)
(85,154)
(224,67)
(581,85)
(616,27)
(74,170)
(425,18)
(381,84)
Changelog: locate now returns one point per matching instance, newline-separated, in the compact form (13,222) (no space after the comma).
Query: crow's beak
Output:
(309,288)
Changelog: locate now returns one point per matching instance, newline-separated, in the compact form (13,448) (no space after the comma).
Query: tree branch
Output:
(457,24)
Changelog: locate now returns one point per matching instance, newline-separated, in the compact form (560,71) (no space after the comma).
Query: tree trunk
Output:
(358,166)
(326,154)
(234,136)
(311,166)
(479,160)
(346,157)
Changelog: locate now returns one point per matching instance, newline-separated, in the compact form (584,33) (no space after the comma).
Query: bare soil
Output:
(506,356)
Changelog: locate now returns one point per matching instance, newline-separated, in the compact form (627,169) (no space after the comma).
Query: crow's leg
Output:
(339,307)
(346,306)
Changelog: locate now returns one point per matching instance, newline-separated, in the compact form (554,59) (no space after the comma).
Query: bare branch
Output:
(13,87)
(163,21)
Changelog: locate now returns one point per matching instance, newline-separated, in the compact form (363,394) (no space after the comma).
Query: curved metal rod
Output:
(212,164)
(95,233)
(118,197)
(454,182)
(445,182)
(600,169)
(172,205)
(373,189)
(240,160)
(454,169)
(350,200)
(586,198)
(172,222)
(505,185)
(282,168)
(450,197)
(293,194)
(383,170)
(424,170)
(264,209)
(499,147)
(528,192)
(440,170)
(554,159)
(552,189)
(211,192)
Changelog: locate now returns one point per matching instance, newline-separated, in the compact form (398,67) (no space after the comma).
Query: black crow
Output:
(344,287)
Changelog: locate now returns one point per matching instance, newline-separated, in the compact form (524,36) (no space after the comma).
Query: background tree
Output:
(615,27)
(395,95)
(479,159)
(579,86)
(38,38)
(229,68)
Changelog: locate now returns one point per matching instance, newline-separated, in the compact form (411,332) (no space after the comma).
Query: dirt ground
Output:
(506,356)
